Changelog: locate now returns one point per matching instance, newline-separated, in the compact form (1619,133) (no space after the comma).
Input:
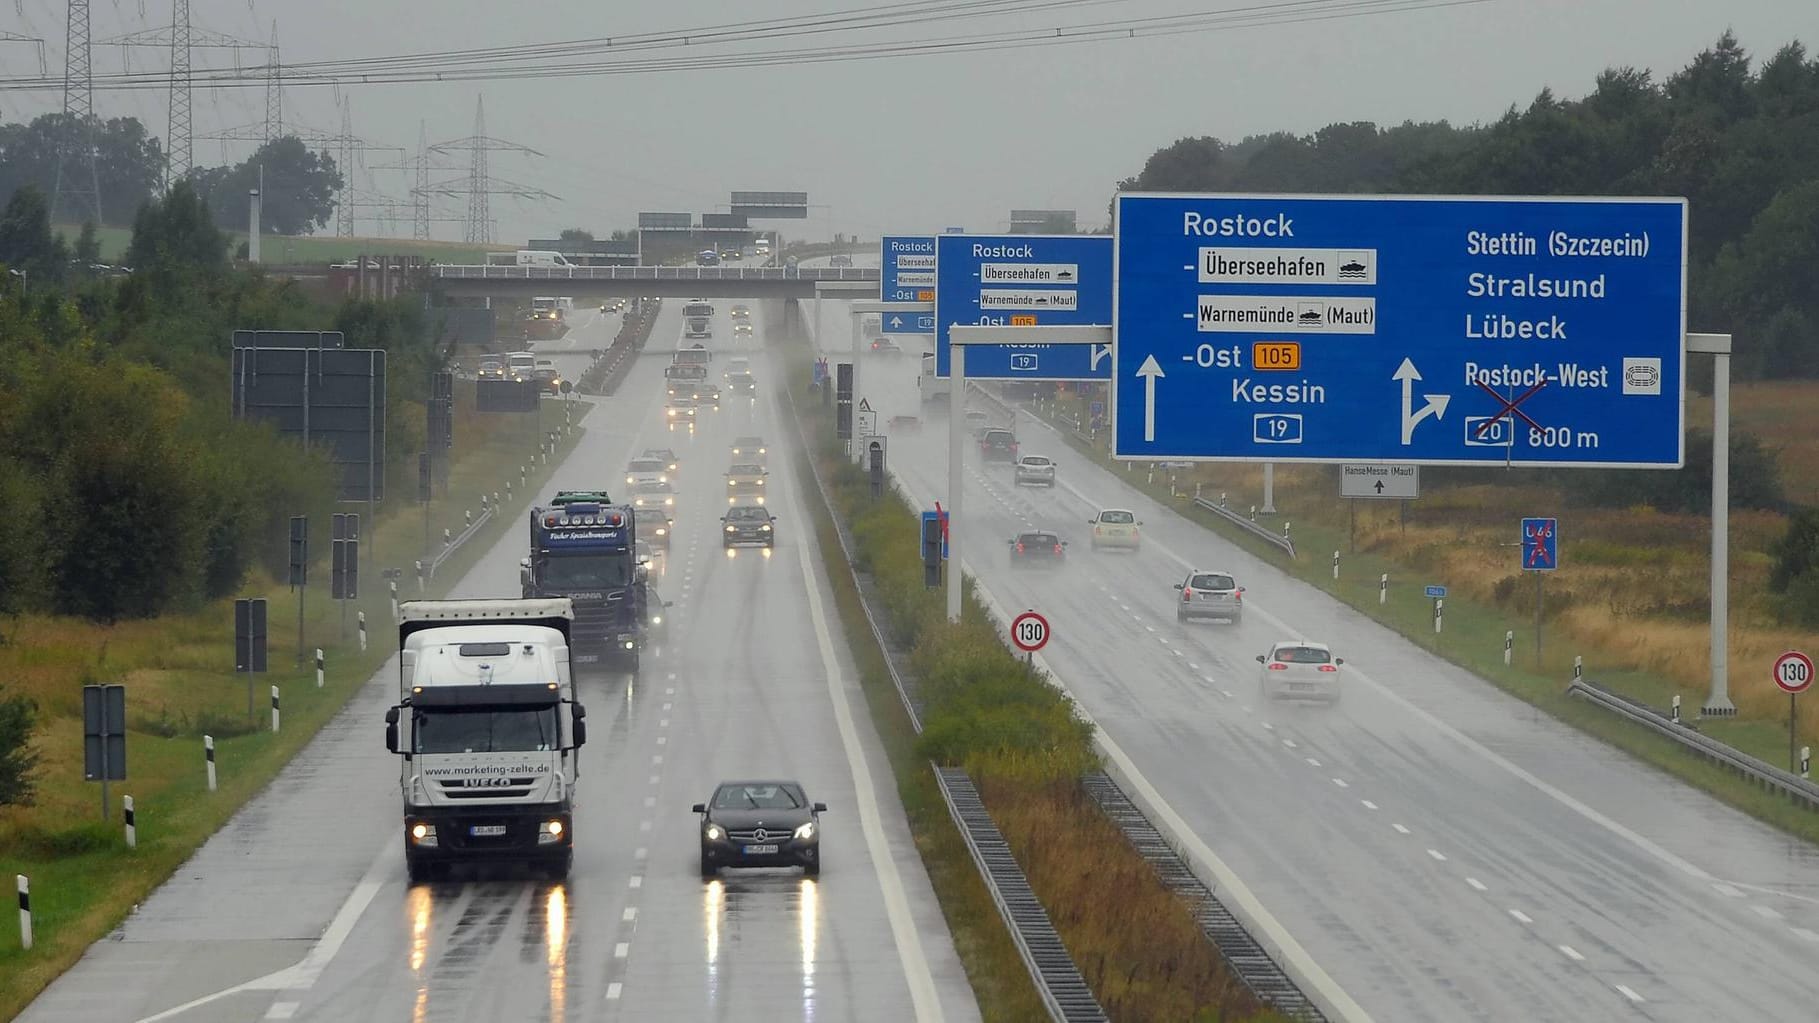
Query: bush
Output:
(18,760)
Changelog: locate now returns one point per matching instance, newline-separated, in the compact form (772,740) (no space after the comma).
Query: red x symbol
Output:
(1509,406)
(942,517)
(1538,553)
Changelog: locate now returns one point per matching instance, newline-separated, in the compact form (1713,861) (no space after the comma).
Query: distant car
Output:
(1037,547)
(760,824)
(646,469)
(731,254)
(742,312)
(644,553)
(841,260)
(886,346)
(742,330)
(1299,670)
(668,457)
(655,609)
(742,383)
(653,494)
(790,261)
(976,418)
(548,379)
(1116,527)
(749,448)
(905,424)
(707,395)
(656,524)
(998,445)
(745,483)
(739,364)
(1210,594)
(749,523)
(490,370)
(680,410)
(1036,470)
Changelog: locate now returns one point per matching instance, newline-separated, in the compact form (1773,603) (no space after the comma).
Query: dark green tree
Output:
(26,240)
(88,245)
(18,760)
(576,234)
(177,236)
(299,192)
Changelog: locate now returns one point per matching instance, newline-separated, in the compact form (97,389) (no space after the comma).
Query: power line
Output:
(68,191)
(481,185)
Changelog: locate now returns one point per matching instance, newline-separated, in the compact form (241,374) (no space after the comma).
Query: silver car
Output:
(1036,470)
(1299,670)
(1208,594)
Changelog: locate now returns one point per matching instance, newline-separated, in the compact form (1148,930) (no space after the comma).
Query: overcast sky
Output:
(893,145)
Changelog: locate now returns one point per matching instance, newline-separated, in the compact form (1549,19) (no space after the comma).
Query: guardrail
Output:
(456,271)
(1789,784)
(451,544)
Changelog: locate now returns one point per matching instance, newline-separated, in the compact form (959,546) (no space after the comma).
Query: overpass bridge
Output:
(634,281)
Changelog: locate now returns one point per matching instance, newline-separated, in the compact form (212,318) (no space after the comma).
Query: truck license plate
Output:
(760,850)
(486,830)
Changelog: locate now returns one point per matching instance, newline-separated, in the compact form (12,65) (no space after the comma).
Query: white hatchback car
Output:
(1036,470)
(1299,670)
(1116,527)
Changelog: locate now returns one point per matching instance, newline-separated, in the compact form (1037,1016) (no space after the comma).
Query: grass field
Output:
(180,682)
(1631,596)
(277,248)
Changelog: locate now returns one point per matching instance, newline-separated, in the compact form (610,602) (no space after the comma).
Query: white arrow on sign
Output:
(896,321)
(1436,403)
(1149,371)
(1099,352)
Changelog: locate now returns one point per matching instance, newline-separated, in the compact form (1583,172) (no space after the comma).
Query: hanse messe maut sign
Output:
(1423,330)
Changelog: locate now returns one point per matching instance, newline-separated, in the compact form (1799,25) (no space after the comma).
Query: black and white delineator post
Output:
(25,912)
(959,337)
(274,708)
(208,752)
(132,826)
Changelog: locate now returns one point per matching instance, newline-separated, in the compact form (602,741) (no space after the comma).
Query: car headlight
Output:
(662,532)
(761,483)
(714,834)
(732,529)
(656,619)
(669,500)
(806,830)
(628,479)
(766,527)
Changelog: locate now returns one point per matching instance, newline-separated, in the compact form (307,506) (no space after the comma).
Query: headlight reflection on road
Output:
(556,938)
(713,905)
(418,903)
(809,906)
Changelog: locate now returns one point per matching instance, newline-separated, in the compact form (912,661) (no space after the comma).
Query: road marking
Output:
(1191,666)
(1368,805)
(1311,762)
(657,758)
(1571,953)
(1341,783)
(1768,912)
(1476,884)
(1806,934)
(641,853)
(630,914)
(1725,889)
(644,825)
(650,801)
(655,778)
(1290,743)
(671,691)
(1629,993)
(662,739)
(613,991)
(1437,854)
(1522,917)
(637,880)
(282,1010)
(1227,693)
(622,949)
(1400,828)
(666,706)
(672,678)
(923,997)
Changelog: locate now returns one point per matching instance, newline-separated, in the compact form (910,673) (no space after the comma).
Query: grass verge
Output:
(1135,942)
(180,682)
(1473,637)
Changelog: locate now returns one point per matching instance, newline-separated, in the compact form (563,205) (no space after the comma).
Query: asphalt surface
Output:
(1442,850)
(300,908)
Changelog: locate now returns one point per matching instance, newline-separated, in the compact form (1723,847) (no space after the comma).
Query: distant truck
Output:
(682,377)
(489,733)
(528,257)
(698,319)
(584,548)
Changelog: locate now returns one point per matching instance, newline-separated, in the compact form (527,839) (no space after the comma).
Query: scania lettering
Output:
(488,732)
(1498,327)
(1278,226)
(584,548)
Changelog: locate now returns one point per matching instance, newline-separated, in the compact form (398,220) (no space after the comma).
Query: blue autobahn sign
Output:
(1430,330)
(1030,280)
(906,272)
(1540,545)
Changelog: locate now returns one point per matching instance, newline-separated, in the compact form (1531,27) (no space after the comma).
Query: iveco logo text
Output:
(486,781)
(1278,226)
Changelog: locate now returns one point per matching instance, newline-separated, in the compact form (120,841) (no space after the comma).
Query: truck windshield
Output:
(698,309)
(586,571)
(484,729)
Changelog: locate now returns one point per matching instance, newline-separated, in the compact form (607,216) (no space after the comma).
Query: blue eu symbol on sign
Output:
(1540,544)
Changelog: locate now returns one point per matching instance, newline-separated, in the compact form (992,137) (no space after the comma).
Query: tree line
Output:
(300,186)
(1740,142)
(126,487)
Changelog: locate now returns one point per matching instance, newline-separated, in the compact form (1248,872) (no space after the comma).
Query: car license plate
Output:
(760,850)
(1301,686)
(486,830)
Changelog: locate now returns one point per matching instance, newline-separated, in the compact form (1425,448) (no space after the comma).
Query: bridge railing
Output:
(652,273)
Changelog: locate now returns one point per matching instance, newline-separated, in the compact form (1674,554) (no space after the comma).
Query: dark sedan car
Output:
(749,523)
(760,824)
(998,446)
(1038,548)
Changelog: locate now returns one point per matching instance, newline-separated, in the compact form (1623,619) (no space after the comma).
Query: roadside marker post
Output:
(362,627)
(1509,643)
(1439,614)
(274,708)
(1806,760)
(1335,566)
(25,912)
(1383,589)
(208,753)
(1676,710)
(1578,668)
(319,666)
(132,827)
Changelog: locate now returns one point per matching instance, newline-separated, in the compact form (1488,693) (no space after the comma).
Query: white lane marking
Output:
(671,691)
(282,1010)
(1806,934)
(1571,953)
(1559,795)
(1725,889)
(657,758)
(644,825)
(1476,884)
(1400,828)
(923,997)
(663,723)
(1521,917)
(1768,912)
(630,914)
(662,739)
(637,880)
(1437,854)
(672,678)
(305,972)
(613,991)
(650,801)
(622,949)
(1290,743)
(1368,805)
(1341,783)
(1228,695)
(666,706)
(641,853)
(1311,762)
(1629,993)
(1191,666)
(655,778)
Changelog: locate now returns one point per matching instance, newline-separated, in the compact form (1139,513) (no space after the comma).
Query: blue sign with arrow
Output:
(906,272)
(907,323)
(1540,545)
(1429,330)
(1024,280)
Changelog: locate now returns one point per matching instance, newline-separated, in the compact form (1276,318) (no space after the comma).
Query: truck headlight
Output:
(549,832)
(714,834)
(424,835)
(806,830)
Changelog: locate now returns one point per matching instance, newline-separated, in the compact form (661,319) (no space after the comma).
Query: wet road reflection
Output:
(556,950)
(808,911)
(419,904)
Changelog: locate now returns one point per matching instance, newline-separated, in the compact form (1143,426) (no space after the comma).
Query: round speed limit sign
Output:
(1029,631)
(1793,672)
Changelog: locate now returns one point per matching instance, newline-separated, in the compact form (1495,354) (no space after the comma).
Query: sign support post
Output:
(1794,674)
(1718,701)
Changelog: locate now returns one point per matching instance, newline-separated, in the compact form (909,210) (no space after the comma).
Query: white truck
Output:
(489,733)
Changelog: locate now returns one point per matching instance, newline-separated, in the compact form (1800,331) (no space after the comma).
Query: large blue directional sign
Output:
(1540,545)
(1030,280)
(906,270)
(1433,330)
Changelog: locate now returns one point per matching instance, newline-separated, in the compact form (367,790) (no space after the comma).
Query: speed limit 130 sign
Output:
(1029,631)
(1793,672)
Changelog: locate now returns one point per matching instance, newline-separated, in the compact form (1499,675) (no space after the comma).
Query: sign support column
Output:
(956,479)
(1718,701)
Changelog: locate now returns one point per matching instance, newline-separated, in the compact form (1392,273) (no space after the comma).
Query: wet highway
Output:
(1442,850)
(300,909)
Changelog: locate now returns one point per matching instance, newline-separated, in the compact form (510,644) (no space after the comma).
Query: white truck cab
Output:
(489,733)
